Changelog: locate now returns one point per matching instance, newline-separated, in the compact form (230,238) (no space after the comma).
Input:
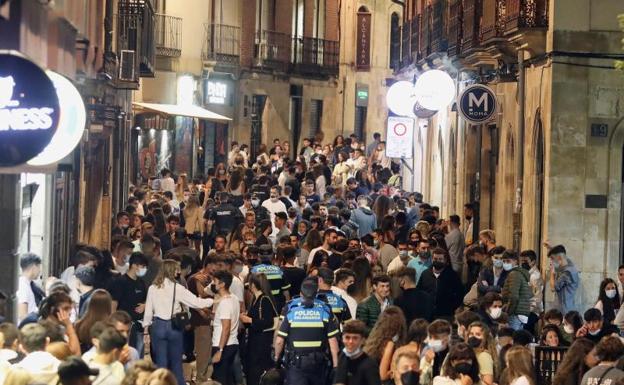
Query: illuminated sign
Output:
(71,123)
(29,109)
(216,92)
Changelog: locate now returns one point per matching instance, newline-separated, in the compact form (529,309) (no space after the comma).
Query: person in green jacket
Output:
(369,309)
(516,292)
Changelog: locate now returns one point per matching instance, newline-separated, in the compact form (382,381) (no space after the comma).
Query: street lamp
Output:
(435,90)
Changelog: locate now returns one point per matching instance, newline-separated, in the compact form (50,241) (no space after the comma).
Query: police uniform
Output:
(226,218)
(306,330)
(275,276)
(338,306)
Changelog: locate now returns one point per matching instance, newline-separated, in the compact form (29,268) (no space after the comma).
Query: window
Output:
(395,41)
(316,116)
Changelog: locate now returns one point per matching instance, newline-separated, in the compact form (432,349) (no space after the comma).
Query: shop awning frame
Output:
(177,110)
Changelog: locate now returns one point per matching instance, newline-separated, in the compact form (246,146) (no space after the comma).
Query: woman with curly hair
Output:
(387,335)
(577,361)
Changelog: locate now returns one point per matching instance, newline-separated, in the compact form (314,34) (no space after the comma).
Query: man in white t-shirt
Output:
(29,294)
(274,205)
(237,288)
(225,328)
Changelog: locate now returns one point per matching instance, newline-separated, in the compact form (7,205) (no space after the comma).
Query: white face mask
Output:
(495,312)
(436,345)
(611,293)
(255,202)
(141,272)
(595,332)
(568,329)
(352,354)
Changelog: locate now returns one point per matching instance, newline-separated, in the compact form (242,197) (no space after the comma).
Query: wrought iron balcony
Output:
(168,36)
(273,50)
(493,20)
(470,24)
(222,44)
(136,33)
(520,14)
(455,27)
(312,56)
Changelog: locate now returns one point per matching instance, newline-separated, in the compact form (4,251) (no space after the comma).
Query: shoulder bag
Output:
(275,317)
(181,320)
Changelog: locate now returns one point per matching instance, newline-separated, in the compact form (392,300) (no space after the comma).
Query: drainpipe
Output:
(519,153)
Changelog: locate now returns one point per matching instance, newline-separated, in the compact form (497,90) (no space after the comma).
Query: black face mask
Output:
(410,378)
(463,368)
(474,342)
(526,266)
(213,288)
(438,265)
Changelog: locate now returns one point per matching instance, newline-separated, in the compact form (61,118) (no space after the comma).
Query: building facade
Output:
(548,167)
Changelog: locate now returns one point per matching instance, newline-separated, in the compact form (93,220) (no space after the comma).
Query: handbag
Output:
(179,321)
(276,318)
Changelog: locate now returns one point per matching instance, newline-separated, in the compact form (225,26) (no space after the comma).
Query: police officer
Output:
(338,306)
(224,217)
(307,333)
(275,276)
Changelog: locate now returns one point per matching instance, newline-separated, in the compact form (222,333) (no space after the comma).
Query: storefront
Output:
(218,90)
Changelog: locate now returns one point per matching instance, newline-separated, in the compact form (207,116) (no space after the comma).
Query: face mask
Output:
(595,332)
(498,263)
(474,342)
(611,293)
(495,312)
(403,253)
(274,199)
(124,226)
(438,265)
(568,329)
(526,266)
(375,243)
(238,269)
(463,368)
(221,172)
(301,234)
(141,272)
(249,243)
(213,288)
(410,378)
(507,266)
(436,345)
(255,202)
(556,264)
(424,254)
(352,354)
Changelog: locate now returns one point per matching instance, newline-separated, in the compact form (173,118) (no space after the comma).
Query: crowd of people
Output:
(308,271)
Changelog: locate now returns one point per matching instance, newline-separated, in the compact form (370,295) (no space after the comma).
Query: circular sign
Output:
(399,129)
(71,122)
(29,109)
(477,103)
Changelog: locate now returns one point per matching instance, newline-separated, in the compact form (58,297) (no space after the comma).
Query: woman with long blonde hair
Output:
(520,368)
(481,340)
(387,335)
(181,187)
(194,220)
(166,298)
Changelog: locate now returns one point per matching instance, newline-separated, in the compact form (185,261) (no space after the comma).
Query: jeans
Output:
(515,323)
(315,375)
(222,370)
(167,347)
(136,338)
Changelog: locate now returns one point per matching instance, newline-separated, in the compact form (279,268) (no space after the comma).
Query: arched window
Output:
(395,41)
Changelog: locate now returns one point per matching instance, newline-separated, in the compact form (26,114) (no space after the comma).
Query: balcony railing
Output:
(455,27)
(470,24)
(273,50)
(406,32)
(315,56)
(221,44)
(525,14)
(168,36)
(493,20)
(135,32)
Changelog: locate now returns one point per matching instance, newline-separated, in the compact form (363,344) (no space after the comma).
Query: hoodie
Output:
(517,293)
(366,220)
(42,366)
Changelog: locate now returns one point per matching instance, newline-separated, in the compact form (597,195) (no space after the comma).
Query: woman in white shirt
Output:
(166,297)
(520,368)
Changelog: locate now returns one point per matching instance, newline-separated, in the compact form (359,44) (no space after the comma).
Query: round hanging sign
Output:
(29,109)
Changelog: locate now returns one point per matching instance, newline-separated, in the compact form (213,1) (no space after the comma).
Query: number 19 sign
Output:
(399,137)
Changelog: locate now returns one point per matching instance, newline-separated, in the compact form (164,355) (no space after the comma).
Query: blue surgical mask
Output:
(507,266)
(141,272)
(498,263)
(352,354)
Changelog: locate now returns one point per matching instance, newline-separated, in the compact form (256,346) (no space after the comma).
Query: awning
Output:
(176,110)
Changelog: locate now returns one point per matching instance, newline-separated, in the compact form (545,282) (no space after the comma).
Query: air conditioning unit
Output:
(127,65)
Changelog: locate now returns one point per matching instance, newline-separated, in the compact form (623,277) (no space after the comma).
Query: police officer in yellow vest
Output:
(308,335)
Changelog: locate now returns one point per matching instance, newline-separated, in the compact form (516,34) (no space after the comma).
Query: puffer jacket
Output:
(517,293)
(366,220)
